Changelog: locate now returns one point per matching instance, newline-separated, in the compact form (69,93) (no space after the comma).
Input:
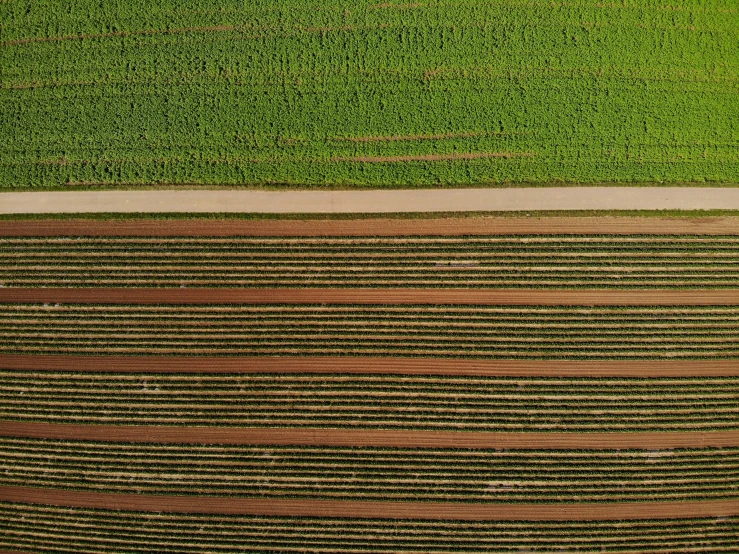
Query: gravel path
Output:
(372,201)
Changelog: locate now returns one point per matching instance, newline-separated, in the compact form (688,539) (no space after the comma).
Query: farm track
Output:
(372,365)
(379,227)
(364,509)
(520,297)
(361,438)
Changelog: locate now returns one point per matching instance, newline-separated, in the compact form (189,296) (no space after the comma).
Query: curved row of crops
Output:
(377,330)
(56,529)
(373,401)
(541,261)
(401,474)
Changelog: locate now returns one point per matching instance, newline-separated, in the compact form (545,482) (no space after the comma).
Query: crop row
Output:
(510,261)
(56,529)
(451,331)
(373,474)
(373,401)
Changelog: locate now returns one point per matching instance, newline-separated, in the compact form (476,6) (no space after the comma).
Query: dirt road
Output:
(372,201)
(348,508)
(352,296)
(369,365)
(375,227)
(365,437)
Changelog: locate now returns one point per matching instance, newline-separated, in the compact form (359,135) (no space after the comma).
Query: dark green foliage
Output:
(288,93)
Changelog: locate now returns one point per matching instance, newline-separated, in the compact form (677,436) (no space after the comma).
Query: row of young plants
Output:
(428,278)
(57,529)
(401,474)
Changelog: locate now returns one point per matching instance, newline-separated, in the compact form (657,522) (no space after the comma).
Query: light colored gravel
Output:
(372,201)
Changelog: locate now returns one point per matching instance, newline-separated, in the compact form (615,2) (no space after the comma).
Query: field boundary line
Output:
(369,509)
(363,437)
(372,365)
(446,227)
(379,296)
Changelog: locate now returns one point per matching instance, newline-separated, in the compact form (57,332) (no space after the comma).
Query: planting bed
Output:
(531,261)
(524,386)
(402,474)
(387,330)
(423,403)
(55,529)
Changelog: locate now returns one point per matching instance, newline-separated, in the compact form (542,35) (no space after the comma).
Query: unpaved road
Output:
(377,227)
(366,437)
(351,296)
(349,508)
(373,365)
(372,201)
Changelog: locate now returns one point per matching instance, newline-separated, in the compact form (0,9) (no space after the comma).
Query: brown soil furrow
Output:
(510,297)
(373,227)
(359,437)
(331,508)
(433,157)
(403,366)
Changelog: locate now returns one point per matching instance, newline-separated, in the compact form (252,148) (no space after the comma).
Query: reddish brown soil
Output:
(487,297)
(374,227)
(334,508)
(433,157)
(360,437)
(370,365)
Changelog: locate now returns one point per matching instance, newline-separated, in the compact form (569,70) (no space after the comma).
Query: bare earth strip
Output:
(516,297)
(372,201)
(375,227)
(370,365)
(433,157)
(338,508)
(361,437)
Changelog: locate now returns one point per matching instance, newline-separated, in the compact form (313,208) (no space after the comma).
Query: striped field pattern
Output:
(57,530)
(542,261)
(175,389)
(417,402)
(362,473)
(508,332)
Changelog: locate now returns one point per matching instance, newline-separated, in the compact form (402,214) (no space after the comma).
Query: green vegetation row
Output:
(60,530)
(447,331)
(355,473)
(636,261)
(281,93)
(519,404)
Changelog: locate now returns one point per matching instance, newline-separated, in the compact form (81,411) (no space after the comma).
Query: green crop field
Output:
(368,94)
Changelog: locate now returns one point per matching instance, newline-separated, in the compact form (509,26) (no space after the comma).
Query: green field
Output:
(368,94)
